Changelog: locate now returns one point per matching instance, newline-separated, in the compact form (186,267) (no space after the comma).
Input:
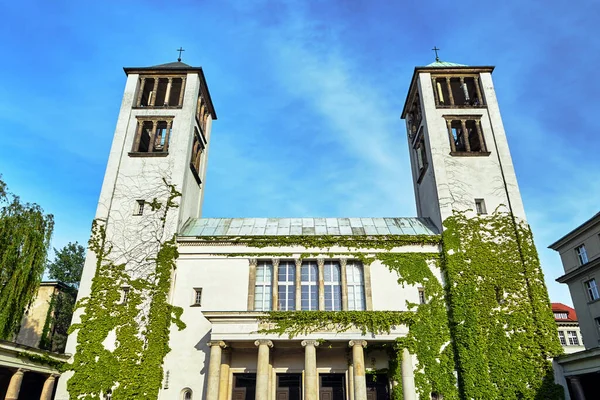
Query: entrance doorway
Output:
(378,387)
(244,387)
(289,386)
(332,387)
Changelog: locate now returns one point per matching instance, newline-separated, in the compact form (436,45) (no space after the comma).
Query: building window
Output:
(125,294)
(597,323)
(309,278)
(480,207)
(196,159)
(286,286)
(561,337)
(202,113)
(592,289)
(356,286)
(197,296)
(152,136)
(421,155)
(332,286)
(581,254)
(139,207)
(160,92)
(561,315)
(422,298)
(573,340)
(466,135)
(186,394)
(262,293)
(457,91)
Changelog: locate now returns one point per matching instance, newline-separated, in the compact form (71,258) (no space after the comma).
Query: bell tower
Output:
(459,154)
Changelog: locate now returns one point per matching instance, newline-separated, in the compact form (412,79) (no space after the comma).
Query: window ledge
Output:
(422,173)
(470,153)
(460,106)
(593,301)
(143,154)
(195,173)
(196,305)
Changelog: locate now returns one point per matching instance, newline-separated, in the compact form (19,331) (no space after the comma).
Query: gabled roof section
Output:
(560,307)
(199,227)
(177,67)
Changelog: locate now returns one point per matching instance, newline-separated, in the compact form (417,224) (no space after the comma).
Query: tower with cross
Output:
(458,148)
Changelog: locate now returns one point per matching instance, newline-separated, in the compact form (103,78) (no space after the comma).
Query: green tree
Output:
(68,264)
(25,233)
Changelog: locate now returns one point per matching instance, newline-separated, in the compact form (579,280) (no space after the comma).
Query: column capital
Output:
(253,262)
(220,343)
(275,262)
(21,371)
(321,262)
(361,343)
(298,262)
(343,261)
(310,342)
(260,342)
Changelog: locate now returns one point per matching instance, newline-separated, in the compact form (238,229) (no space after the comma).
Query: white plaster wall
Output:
(459,180)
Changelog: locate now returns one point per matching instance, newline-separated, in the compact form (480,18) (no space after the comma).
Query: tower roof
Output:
(444,64)
(172,65)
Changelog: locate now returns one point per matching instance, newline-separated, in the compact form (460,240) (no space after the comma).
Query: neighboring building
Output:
(232,272)
(27,369)
(580,254)
(568,328)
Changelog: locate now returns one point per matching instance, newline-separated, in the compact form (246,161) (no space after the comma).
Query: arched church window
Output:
(186,394)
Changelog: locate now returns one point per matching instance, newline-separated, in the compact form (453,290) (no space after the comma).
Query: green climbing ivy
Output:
(134,369)
(43,360)
(501,321)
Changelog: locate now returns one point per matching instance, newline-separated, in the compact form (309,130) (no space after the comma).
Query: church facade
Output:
(444,305)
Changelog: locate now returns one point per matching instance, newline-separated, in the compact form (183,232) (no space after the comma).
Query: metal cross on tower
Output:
(436,53)
(180,49)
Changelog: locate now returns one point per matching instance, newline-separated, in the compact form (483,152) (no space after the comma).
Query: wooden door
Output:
(326,393)
(239,394)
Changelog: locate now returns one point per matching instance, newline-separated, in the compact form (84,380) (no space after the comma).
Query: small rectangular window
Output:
(592,289)
(422,298)
(124,294)
(561,337)
(573,339)
(139,207)
(197,296)
(480,207)
(581,254)
(561,315)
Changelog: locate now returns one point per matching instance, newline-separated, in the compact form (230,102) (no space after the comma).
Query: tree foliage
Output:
(68,264)
(25,233)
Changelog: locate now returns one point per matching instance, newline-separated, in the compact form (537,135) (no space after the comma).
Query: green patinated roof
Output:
(307,226)
(444,64)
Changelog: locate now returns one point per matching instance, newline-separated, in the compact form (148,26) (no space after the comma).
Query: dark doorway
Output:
(244,386)
(289,386)
(378,387)
(332,387)
(31,386)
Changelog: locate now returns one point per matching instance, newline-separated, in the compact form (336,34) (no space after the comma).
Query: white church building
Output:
(231,274)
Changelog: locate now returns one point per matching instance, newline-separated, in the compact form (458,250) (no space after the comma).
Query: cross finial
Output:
(437,58)
(180,49)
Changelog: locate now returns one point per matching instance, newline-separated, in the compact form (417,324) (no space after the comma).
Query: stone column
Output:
(358,362)
(351,382)
(152,137)
(153,94)
(321,283)
(48,388)
(224,375)
(450,94)
(298,284)
(262,369)
(435,91)
(408,379)
(168,93)
(311,377)
(14,387)
(575,385)
(140,92)
(275,285)
(182,90)
(465,89)
(463,125)
(344,280)
(450,135)
(480,135)
(138,136)
(214,369)
(478,91)
(167,135)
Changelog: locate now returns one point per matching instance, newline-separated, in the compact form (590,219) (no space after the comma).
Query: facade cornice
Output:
(584,269)
(575,232)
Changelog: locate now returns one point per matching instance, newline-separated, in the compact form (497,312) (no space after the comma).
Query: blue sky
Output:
(308,94)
